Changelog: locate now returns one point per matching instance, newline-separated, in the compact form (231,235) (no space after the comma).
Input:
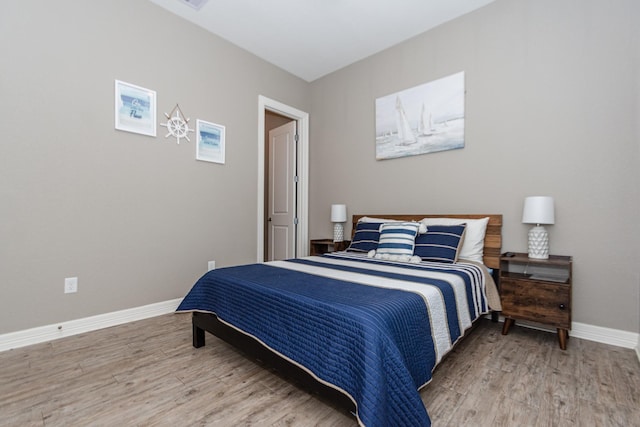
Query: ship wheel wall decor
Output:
(177,125)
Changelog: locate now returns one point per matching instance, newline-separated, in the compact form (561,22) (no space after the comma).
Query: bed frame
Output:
(257,352)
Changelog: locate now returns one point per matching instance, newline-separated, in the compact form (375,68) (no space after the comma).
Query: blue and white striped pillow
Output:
(397,238)
(440,243)
(366,236)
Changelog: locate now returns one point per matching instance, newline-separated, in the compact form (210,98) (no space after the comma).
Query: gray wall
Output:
(551,108)
(136,218)
(552,93)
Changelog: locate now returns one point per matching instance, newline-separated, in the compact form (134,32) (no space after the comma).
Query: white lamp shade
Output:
(338,213)
(538,210)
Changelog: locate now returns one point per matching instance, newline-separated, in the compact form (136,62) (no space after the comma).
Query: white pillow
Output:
(422,230)
(373,219)
(473,244)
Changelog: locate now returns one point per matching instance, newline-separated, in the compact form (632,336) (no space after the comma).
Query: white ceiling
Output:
(312,38)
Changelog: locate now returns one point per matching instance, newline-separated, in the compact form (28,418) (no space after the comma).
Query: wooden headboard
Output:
(492,239)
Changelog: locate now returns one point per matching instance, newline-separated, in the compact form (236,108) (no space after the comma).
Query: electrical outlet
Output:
(70,285)
(212,265)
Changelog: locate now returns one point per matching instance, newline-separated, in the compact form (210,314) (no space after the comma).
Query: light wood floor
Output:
(147,373)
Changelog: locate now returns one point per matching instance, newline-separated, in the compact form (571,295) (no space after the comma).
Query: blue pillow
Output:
(440,243)
(397,238)
(366,237)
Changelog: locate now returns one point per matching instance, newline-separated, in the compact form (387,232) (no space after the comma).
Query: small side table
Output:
(323,246)
(537,290)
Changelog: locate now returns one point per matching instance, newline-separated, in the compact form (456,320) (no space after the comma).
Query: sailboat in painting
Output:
(425,128)
(405,133)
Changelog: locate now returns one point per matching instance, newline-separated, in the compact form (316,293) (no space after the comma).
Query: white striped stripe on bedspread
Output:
(431,294)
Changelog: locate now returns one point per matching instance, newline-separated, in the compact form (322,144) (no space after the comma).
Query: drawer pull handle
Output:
(562,306)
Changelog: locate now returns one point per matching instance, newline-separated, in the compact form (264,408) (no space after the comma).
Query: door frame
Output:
(302,151)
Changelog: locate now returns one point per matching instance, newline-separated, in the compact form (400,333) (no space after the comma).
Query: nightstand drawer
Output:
(536,301)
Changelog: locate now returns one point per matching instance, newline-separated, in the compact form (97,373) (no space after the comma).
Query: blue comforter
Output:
(349,321)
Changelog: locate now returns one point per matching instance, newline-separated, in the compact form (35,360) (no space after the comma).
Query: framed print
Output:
(423,119)
(135,109)
(209,142)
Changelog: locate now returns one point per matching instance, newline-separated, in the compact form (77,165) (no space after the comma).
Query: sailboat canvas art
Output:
(423,119)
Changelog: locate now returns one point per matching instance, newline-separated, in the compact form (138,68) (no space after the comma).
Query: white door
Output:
(281,205)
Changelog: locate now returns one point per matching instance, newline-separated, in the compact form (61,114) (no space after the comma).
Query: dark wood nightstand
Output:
(537,290)
(323,246)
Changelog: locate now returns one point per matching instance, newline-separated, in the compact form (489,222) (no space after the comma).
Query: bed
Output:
(365,327)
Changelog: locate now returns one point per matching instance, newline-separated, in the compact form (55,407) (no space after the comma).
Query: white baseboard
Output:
(87,324)
(604,335)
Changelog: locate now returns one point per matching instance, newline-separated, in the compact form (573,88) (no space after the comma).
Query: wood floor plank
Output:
(147,373)
(561,394)
(626,378)
(441,402)
(599,414)
(597,383)
(525,383)
(509,413)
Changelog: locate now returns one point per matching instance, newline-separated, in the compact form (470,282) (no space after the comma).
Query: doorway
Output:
(267,108)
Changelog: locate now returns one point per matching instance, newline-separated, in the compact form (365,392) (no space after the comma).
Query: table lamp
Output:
(538,210)
(338,216)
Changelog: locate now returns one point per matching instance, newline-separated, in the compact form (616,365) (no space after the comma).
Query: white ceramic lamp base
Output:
(338,232)
(538,243)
